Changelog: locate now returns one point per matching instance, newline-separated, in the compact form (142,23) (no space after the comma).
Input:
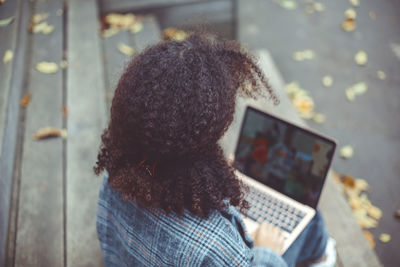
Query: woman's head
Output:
(173,103)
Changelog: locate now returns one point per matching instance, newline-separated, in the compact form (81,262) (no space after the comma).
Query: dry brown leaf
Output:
(65,111)
(47,67)
(397,214)
(5,22)
(381,75)
(349,25)
(327,81)
(346,152)
(361,58)
(25,100)
(348,181)
(384,238)
(8,56)
(126,49)
(47,132)
(370,238)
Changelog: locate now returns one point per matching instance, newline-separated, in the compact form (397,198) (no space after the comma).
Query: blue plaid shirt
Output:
(133,236)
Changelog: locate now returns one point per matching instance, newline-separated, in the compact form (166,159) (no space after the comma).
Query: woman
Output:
(169,197)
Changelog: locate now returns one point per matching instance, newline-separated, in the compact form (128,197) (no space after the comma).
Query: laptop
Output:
(285,167)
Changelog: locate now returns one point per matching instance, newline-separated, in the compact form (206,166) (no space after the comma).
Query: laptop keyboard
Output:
(264,207)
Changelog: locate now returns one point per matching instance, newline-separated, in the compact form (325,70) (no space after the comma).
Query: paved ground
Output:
(370,124)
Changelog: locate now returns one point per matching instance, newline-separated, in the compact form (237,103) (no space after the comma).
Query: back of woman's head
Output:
(173,103)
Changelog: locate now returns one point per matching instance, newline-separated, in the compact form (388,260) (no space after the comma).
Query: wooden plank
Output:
(86,121)
(352,247)
(114,61)
(149,35)
(40,236)
(11,84)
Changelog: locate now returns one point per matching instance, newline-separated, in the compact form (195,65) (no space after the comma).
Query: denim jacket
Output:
(134,236)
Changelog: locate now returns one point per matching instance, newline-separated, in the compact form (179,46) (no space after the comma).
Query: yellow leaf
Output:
(126,50)
(110,32)
(385,238)
(47,67)
(48,131)
(43,27)
(39,17)
(381,75)
(355,3)
(288,4)
(8,56)
(319,7)
(374,212)
(327,81)
(5,22)
(136,27)
(319,118)
(350,13)
(63,64)
(370,238)
(346,152)
(174,34)
(349,24)
(361,58)
(303,55)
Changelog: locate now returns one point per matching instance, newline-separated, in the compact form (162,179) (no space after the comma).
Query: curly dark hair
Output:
(173,103)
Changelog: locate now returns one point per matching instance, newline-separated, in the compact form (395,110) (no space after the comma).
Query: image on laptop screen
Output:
(284,157)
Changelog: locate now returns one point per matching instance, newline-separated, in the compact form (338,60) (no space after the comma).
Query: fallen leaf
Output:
(46,132)
(355,90)
(361,58)
(303,103)
(327,81)
(372,15)
(63,64)
(349,24)
(384,238)
(350,13)
(124,21)
(5,22)
(361,185)
(136,27)
(288,4)
(110,32)
(126,50)
(319,6)
(303,55)
(65,111)
(25,100)
(43,27)
(348,181)
(397,214)
(174,34)
(319,118)
(346,152)
(47,67)
(370,238)
(381,75)
(355,3)
(39,17)
(8,56)
(374,212)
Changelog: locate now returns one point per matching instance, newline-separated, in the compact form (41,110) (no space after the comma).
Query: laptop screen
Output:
(285,157)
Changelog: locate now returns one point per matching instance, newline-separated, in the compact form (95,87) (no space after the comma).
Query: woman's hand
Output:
(269,236)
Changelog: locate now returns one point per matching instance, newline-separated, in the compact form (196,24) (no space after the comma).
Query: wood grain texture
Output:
(40,236)
(352,247)
(86,121)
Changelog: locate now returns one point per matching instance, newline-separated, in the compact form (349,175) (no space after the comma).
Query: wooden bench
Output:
(48,189)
